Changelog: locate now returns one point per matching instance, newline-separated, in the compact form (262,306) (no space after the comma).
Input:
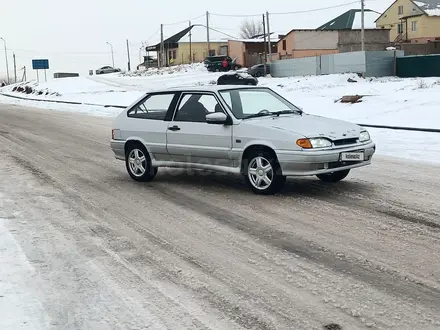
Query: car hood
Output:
(310,126)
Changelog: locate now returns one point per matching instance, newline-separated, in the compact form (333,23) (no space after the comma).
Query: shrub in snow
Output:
(422,84)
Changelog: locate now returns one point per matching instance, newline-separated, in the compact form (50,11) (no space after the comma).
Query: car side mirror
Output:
(216,118)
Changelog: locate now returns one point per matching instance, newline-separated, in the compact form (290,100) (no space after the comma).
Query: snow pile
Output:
(30,88)
(165,70)
(73,89)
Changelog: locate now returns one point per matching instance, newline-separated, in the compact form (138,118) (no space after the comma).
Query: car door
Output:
(147,122)
(191,139)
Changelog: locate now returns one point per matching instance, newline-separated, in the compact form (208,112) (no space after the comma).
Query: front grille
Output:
(341,164)
(343,142)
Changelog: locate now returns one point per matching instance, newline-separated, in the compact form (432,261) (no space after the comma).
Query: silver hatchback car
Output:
(251,131)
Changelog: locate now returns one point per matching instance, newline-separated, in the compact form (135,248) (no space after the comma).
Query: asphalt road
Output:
(199,250)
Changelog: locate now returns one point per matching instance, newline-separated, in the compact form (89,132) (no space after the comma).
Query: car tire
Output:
(138,163)
(262,173)
(258,74)
(333,176)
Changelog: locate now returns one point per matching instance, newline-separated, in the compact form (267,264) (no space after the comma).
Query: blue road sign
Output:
(40,64)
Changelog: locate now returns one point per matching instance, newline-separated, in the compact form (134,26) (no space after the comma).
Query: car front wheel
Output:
(138,164)
(333,176)
(263,173)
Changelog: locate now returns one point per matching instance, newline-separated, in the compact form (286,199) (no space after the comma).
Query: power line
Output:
(289,13)
(185,21)
(153,35)
(317,9)
(226,29)
(213,29)
(226,15)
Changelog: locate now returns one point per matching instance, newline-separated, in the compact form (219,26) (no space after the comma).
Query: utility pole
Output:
(265,52)
(113,59)
(15,68)
(161,46)
(362,25)
(24,74)
(6,59)
(207,32)
(268,37)
(190,45)
(128,54)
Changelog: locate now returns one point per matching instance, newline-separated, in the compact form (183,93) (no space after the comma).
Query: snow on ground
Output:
(17,302)
(389,101)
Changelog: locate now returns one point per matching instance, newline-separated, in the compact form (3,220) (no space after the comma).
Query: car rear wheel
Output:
(138,164)
(333,176)
(263,173)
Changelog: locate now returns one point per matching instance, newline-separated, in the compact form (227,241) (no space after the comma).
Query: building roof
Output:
(351,19)
(173,40)
(428,7)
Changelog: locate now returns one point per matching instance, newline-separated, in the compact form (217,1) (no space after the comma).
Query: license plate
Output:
(352,156)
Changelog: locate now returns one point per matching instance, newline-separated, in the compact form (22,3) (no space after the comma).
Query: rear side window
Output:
(154,107)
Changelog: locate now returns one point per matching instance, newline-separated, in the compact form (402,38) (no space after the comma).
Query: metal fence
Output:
(418,66)
(370,64)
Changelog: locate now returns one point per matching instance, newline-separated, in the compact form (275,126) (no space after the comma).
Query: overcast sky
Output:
(73,34)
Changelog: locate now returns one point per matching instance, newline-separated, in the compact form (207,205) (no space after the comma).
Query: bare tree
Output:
(250,29)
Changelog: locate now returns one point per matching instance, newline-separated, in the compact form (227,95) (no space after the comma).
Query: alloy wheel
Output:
(137,162)
(260,173)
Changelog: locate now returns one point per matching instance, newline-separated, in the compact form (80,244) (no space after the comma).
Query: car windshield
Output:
(250,102)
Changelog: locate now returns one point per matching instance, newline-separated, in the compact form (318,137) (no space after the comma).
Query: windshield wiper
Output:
(260,114)
(282,112)
(274,113)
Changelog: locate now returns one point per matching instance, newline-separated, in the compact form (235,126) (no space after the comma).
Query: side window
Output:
(154,107)
(195,107)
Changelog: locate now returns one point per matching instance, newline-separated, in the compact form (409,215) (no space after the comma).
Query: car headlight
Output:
(314,143)
(364,136)
(320,143)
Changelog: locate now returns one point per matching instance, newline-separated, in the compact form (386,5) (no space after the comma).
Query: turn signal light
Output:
(304,143)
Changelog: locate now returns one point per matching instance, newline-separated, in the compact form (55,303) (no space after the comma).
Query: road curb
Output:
(403,128)
(63,102)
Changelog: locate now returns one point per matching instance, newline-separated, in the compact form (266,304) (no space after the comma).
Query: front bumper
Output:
(313,162)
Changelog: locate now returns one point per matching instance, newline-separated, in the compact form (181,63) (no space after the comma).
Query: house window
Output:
(414,26)
(400,10)
(284,45)
(400,28)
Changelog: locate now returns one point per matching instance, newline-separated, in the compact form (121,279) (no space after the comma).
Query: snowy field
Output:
(387,101)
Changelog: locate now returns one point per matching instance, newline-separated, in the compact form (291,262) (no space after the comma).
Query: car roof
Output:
(208,88)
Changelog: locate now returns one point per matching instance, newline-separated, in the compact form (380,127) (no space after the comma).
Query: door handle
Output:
(174,128)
